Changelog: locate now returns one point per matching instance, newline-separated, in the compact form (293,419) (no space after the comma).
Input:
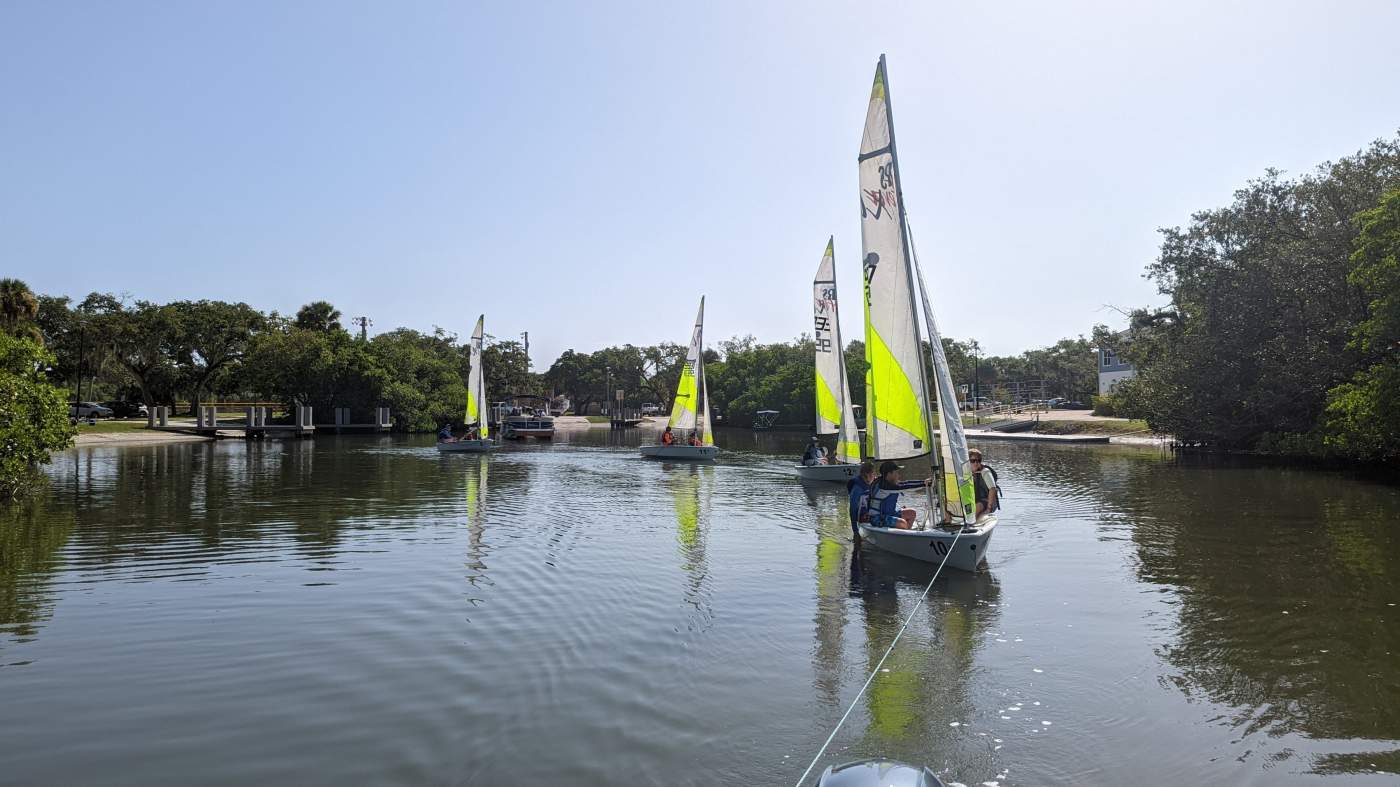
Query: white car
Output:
(651,409)
(89,409)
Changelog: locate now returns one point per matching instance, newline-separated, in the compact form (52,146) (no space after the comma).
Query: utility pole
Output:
(526,337)
(364,323)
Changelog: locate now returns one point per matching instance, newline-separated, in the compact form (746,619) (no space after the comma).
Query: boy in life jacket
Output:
(857,490)
(984,481)
(667,438)
(883,503)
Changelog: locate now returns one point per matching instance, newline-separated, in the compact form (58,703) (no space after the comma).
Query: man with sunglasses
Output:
(984,481)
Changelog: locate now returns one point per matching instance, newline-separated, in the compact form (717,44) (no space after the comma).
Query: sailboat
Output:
(691,412)
(897,396)
(833,391)
(476,402)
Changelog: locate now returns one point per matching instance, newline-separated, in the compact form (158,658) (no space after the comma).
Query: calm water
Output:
(366,611)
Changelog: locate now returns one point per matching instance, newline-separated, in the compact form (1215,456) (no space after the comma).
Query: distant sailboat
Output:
(690,415)
(897,396)
(476,402)
(833,390)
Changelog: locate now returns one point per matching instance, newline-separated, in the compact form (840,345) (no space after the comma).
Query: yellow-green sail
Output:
(897,403)
(691,409)
(476,382)
(833,391)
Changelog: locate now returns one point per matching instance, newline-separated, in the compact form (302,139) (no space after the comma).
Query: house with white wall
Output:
(1112,370)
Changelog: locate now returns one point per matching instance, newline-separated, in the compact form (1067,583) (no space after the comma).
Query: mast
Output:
(707,430)
(909,259)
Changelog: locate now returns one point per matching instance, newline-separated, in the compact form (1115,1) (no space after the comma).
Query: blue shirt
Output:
(856,490)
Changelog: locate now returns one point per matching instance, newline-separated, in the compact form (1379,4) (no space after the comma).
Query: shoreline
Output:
(135,437)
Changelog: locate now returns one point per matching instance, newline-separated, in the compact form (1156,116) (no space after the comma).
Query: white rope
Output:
(881,662)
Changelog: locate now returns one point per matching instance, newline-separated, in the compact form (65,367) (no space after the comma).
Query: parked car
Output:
(86,409)
(1055,402)
(1070,405)
(126,409)
(651,408)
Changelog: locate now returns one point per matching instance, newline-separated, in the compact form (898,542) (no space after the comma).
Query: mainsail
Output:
(476,382)
(686,412)
(896,395)
(956,486)
(834,413)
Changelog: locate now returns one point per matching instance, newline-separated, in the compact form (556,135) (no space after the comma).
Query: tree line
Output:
(1282,331)
(192,351)
(745,375)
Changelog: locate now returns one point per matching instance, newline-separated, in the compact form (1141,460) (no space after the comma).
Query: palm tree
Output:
(18,310)
(318,316)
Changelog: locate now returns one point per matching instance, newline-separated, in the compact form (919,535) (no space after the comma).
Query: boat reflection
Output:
(691,487)
(924,684)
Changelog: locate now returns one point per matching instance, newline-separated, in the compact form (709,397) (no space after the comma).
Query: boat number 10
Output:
(939,548)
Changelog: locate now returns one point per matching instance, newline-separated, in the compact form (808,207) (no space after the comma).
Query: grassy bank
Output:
(1092,427)
(112,425)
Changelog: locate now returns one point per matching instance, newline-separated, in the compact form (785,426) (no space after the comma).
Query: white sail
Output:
(685,411)
(897,402)
(833,390)
(476,382)
(707,433)
(955,486)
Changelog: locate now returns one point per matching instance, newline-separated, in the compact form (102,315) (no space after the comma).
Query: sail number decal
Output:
(826,304)
(881,199)
(938,547)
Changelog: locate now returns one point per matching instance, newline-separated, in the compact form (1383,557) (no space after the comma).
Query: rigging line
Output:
(881,662)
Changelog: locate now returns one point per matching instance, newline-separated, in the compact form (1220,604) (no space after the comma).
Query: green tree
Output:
(1363,415)
(752,376)
(19,310)
(318,316)
(1262,312)
(319,369)
(425,384)
(506,368)
(33,414)
(144,340)
(211,335)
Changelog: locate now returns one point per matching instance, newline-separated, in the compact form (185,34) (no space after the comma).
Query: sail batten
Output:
(896,386)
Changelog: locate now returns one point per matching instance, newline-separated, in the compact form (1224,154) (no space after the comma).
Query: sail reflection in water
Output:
(691,488)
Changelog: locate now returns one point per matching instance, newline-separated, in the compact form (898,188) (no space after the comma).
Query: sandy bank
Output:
(135,437)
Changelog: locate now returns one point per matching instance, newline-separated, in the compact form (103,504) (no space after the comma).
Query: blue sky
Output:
(585,171)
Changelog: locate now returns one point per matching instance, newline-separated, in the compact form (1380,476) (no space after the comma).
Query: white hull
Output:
(839,472)
(690,453)
(467,446)
(930,546)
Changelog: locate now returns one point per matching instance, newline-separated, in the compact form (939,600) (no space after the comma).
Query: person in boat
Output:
(984,482)
(445,433)
(473,433)
(857,489)
(815,454)
(883,504)
(694,440)
(667,438)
